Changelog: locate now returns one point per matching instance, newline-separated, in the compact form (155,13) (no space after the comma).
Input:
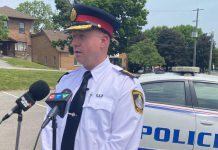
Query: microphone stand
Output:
(54,127)
(19,119)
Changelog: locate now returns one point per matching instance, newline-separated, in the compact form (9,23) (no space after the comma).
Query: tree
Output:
(154,32)
(203,51)
(3,29)
(145,54)
(171,46)
(131,14)
(186,31)
(62,18)
(215,58)
(41,11)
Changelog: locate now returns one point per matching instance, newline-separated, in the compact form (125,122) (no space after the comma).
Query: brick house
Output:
(19,26)
(44,53)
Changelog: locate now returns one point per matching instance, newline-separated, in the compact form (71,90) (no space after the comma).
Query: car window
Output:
(165,92)
(207,95)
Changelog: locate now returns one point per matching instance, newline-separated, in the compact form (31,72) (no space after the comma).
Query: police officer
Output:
(106,112)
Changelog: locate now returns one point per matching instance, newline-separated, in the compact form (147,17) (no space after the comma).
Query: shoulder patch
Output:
(128,74)
(62,76)
(138,101)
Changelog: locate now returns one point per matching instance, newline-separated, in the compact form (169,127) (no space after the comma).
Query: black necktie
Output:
(74,115)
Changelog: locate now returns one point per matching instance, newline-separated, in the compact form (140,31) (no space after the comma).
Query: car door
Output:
(169,117)
(206,108)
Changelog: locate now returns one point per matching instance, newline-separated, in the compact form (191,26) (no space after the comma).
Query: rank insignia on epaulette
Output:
(128,73)
(73,15)
(138,101)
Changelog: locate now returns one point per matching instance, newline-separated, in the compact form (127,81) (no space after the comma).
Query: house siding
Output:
(41,48)
(13,27)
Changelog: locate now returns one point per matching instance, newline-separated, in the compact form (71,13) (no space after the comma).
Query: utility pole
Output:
(195,35)
(211,50)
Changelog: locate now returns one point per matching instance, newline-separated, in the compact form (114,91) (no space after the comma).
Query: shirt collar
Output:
(99,69)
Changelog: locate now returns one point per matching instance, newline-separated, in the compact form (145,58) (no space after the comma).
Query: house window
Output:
(54,59)
(21,27)
(46,60)
(5,24)
(20,46)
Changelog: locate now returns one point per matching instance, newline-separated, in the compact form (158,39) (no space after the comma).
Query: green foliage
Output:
(186,31)
(154,32)
(62,18)
(176,45)
(215,58)
(41,11)
(3,30)
(203,51)
(144,53)
(171,46)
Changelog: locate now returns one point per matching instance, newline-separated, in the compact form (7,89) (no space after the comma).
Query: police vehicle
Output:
(181,110)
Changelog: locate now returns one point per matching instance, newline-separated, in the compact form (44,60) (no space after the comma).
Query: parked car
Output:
(181,110)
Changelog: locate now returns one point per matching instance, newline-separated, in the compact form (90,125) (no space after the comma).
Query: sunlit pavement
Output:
(32,120)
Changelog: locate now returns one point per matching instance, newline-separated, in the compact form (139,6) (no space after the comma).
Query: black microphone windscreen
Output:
(39,90)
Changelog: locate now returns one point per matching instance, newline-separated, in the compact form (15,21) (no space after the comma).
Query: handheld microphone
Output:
(37,91)
(58,103)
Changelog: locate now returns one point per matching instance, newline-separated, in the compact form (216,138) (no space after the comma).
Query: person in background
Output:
(106,111)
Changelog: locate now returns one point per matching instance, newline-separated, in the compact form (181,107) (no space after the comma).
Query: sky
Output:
(167,12)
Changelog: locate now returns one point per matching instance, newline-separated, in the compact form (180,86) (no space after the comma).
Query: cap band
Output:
(106,26)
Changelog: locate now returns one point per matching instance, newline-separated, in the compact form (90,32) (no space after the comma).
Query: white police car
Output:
(181,110)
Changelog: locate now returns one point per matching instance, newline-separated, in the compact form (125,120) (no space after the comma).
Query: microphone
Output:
(58,103)
(37,91)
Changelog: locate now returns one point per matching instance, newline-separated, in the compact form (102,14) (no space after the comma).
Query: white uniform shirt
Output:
(109,119)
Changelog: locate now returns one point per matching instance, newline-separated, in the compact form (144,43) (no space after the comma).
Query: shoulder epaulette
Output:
(128,74)
(62,76)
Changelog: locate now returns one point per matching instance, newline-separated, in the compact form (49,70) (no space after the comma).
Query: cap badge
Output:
(73,15)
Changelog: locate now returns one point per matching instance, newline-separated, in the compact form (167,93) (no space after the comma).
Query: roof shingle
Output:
(13,13)
(53,35)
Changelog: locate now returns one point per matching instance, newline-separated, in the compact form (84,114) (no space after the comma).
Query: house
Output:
(20,26)
(44,53)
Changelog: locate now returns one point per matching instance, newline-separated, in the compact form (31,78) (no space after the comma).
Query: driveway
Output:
(32,120)
(4,64)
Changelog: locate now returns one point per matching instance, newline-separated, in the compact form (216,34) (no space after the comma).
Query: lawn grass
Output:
(12,79)
(18,62)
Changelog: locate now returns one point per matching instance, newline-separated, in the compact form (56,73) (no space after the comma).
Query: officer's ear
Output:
(105,40)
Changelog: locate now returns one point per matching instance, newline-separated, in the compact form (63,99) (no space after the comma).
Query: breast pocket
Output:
(98,113)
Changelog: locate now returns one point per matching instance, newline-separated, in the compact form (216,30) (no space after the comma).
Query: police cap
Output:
(85,17)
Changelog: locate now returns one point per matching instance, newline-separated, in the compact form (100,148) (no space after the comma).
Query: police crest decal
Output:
(138,101)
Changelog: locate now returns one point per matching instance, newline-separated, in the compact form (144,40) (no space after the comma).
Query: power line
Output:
(170,11)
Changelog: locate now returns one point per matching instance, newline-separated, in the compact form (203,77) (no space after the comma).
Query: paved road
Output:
(32,120)
(5,65)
